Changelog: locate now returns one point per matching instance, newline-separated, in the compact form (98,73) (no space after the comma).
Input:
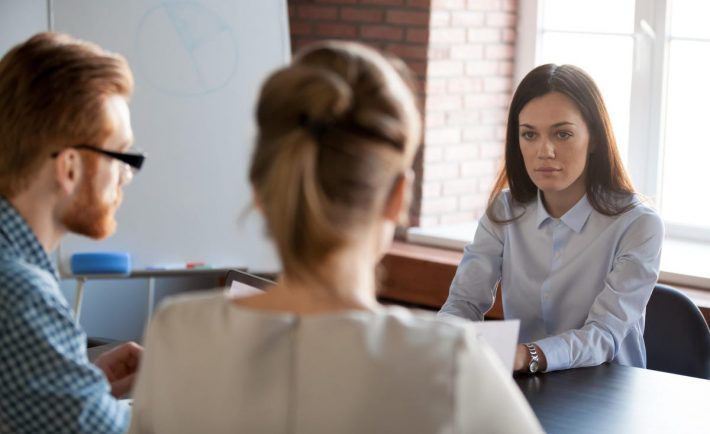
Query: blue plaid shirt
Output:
(47,384)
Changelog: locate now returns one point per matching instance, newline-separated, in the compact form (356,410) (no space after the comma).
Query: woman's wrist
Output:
(524,357)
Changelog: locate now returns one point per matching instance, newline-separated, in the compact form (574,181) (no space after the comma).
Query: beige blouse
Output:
(211,366)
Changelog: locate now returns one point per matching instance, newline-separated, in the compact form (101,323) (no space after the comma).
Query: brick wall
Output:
(468,89)
(462,54)
(400,27)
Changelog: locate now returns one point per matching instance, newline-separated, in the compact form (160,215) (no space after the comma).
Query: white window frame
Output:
(648,94)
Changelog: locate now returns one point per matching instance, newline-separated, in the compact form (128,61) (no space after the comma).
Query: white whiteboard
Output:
(198,66)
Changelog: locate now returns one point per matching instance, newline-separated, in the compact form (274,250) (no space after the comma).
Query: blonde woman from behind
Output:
(338,130)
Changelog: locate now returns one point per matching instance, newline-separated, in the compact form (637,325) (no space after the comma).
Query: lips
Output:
(548,169)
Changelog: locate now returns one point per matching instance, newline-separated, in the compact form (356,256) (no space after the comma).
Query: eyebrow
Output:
(558,124)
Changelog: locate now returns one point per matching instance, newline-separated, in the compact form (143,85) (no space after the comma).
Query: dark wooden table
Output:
(618,399)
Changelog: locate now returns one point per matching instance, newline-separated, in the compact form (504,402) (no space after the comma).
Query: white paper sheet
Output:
(502,336)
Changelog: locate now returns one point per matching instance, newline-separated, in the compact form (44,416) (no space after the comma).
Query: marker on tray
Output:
(196,265)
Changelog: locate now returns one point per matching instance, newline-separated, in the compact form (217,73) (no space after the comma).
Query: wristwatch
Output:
(534,358)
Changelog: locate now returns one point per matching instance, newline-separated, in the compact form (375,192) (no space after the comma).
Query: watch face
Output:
(533,367)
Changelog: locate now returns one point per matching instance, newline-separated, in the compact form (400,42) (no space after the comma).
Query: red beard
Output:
(88,215)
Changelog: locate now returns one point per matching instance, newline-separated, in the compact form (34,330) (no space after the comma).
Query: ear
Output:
(68,171)
(398,199)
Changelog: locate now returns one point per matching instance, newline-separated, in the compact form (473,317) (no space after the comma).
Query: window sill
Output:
(685,263)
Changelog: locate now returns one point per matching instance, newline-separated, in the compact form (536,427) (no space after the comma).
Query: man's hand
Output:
(120,365)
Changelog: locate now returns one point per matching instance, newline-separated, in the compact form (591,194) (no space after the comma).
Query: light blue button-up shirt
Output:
(579,284)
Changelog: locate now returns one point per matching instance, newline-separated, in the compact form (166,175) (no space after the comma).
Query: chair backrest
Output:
(677,337)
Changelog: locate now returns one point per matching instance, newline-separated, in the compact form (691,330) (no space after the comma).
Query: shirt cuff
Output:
(556,353)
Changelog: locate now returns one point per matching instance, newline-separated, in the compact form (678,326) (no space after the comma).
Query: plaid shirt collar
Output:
(17,241)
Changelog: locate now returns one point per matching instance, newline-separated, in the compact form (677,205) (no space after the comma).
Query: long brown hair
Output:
(607,182)
(52,92)
(336,129)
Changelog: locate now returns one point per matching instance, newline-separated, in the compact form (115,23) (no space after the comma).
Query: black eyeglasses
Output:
(135,160)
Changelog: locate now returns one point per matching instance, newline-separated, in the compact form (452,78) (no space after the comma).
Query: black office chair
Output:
(677,336)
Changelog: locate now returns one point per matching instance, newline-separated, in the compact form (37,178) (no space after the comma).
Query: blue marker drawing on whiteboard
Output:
(203,47)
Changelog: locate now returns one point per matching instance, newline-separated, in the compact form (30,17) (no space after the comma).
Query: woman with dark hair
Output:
(572,247)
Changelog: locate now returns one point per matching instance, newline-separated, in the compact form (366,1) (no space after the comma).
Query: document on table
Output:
(239,290)
(502,336)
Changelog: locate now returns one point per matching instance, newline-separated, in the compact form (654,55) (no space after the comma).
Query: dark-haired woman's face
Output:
(554,141)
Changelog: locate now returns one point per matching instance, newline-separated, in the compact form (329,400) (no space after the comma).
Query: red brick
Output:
(447,4)
(434,119)
(388,33)
(466,151)
(440,19)
(419,4)
(436,86)
(479,132)
(492,150)
(467,19)
(362,15)
(337,30)
(447,35)
(505,68)
(441,171)
(418,35)
(438,53)
(485,35)
(500,19)
(433,154)
(494,117)
(479,168)
(426,221)
(465,186)
(300,28)
(499,51)
(442,136)
(481,68)
(474,200)
(419,68)
(416,52)
(484,5)
(431,190)
(467,52)
(486,100)
(509,5)
(463,117)
(439,205)
(497,84)
(410,18)
(311,12)
(383,2)
(300,43)
(509,35)
(444,102)
(460,85)
(501,131)
(458,217)
(445,68)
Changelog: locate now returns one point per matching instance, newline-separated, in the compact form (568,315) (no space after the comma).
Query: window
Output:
(651,60)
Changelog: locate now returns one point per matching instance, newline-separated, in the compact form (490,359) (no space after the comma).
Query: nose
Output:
(546,150)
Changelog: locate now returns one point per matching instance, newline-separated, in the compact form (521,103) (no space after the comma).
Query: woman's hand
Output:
(522,359)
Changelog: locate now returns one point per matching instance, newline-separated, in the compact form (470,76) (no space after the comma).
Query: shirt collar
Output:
(19,241)
(575,218)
